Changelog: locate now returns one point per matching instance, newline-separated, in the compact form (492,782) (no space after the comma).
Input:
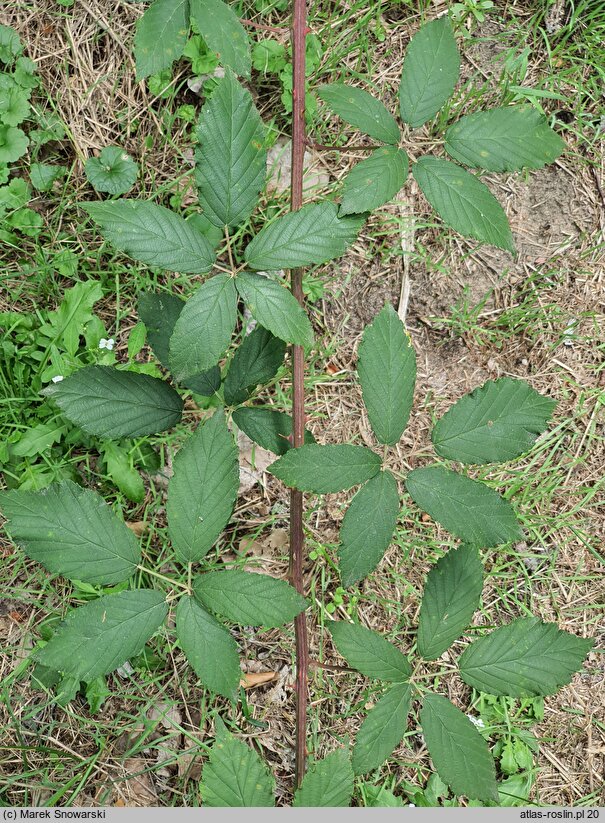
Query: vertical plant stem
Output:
(299,26)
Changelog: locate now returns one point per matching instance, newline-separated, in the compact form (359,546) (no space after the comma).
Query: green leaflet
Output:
(459,753)
(256,361)
(204,328)
(153,235)
(327,783)
(159,312)
(270,429)
(161,36)
(505,139)
(451,596)
(313,234)
(387,373)
(374,181)
(249,599)
(360,109)
(369,652)
(231,159)
(234,775)
(430,72)
(325,469)
(221,29)
(72,532)
(109,403)
(466,508)
(524,658)
(275,308)
(383,729)
(95,639)
(209,648)
(496,422)
(367,527)
(463,202)
(203,489)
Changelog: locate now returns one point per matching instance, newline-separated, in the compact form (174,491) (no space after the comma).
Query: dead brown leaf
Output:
(250,680)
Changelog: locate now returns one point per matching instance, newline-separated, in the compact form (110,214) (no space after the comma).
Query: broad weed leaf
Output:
(203,489)
(505,139)
(387,373)
(110,403)
(72,532)
(231,159)
(430,72)
(369,652)
(463,202)
(224,34)
(113,171)
(451,596)
(325,469)
(466,508)
(96,638)
(383,729)
(204,328)
(327,783)
(374,181)
(460,755)
(209,648)
(496,422)
(249,599)
(360,109)
(161,36)
(311,235)
(524,658)
(153,235)
(367,527)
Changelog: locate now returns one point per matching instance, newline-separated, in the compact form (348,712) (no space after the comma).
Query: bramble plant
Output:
(74,533)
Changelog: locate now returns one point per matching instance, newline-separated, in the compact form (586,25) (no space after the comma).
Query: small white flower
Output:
(476,721)
(57,379)
(107,344)
(412,805)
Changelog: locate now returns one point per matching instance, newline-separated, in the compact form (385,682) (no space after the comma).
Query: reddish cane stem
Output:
(299,30)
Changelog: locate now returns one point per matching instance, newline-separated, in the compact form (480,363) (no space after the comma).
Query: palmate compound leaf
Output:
(311,235)
(460,755)
(524,658)
(327,783)
(467,508)
(203,489)
(496,422)
(387,373)
(72,532)
(204,328)
(161,36)
(221,29)
(383,729)
(275,308)
(369,652)
(153,235)
(95,639)
(367,527)
(451,596)
(325,469)
(505,139)
(256,361)
(210,649)
(249,599)
(234,775)
(110,403)
(231,159)
(430,72)
(269,428)
(463,202)
(159,312)
(374,181)
(360,109)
